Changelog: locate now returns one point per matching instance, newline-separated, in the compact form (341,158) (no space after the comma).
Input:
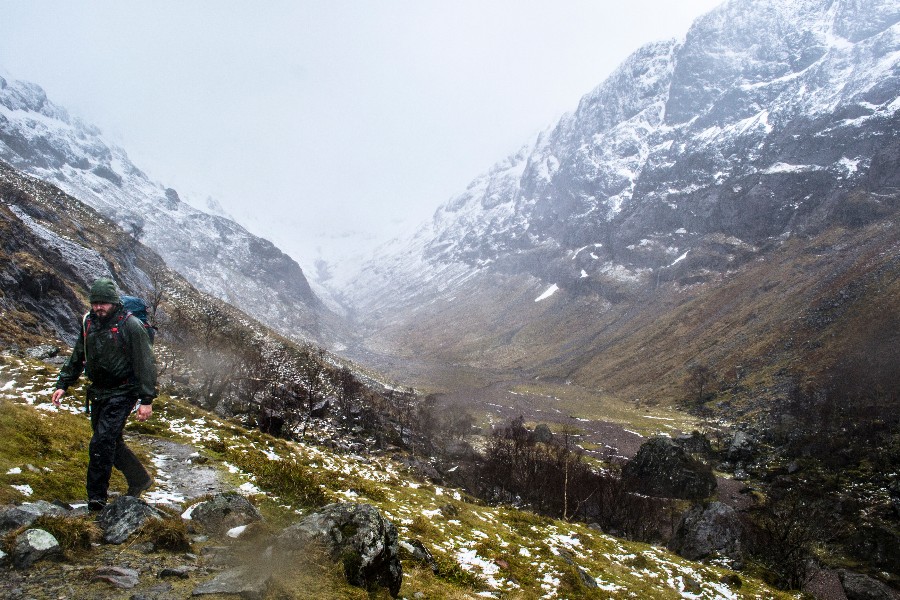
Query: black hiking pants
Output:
(107,448)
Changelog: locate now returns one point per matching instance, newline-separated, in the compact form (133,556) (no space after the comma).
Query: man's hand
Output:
(144,411)
(57,396)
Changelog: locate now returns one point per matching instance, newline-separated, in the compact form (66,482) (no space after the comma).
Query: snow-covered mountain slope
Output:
(214,253)
(684,163)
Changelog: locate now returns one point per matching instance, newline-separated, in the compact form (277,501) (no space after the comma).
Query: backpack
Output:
(137,307)
(133,306)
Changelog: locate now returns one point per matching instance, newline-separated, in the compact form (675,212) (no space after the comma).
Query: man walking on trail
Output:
(114,352)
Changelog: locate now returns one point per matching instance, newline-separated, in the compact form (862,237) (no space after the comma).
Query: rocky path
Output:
(133,569)
(181,472)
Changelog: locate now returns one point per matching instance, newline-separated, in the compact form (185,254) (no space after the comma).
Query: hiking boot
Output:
(96,505)
(137,490)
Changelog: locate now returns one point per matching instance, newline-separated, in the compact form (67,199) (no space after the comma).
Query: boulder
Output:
(23,515)
(664,469)
(862,587)
(125,517)
(586,579)
(458,449)
(358,536)
(709,531)
(41,352)
(421,468)
(320,409)
(244,581)
(696,443)
(742,448)
(224,512)
(33,545)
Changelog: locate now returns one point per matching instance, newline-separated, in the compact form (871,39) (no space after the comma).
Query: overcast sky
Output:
(311,120)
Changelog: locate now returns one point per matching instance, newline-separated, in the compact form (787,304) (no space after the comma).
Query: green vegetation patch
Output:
(286,478)
(74,534)
(42,454)
(167,534)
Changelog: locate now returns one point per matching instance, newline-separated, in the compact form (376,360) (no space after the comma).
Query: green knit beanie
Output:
(104,290)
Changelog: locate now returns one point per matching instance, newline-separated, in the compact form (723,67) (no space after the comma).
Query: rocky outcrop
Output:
(14,517)
(862,587)
(358,536)
(742,448)
(123,518)
(663,468)
(709,531)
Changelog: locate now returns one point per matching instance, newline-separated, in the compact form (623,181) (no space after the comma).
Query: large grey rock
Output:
(742,448)
(663,468)
(125,517)
(23,515)
(709,531)
(33,545)
(696,443)
(42,351)
(862,587)
(223,512)
(245,581)
(358,536)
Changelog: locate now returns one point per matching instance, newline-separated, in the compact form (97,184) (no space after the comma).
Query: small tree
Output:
(699,380)
(349,389)
(785,532)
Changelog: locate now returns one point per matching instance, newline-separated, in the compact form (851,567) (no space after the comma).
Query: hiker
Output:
(114,352)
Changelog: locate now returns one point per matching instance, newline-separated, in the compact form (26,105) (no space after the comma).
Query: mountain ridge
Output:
(215,253)
(694,159)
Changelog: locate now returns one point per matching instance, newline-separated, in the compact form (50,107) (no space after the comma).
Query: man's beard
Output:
(103,314)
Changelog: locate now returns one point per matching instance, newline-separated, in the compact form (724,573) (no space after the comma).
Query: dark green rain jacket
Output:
(116,356)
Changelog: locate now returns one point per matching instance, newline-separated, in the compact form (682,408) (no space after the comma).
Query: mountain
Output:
(213,252)
(712,165)
(51,248)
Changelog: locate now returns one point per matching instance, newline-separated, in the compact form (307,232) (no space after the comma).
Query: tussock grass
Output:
(74,534)
(167,534)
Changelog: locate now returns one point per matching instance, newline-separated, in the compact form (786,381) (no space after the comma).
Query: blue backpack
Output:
(138,308)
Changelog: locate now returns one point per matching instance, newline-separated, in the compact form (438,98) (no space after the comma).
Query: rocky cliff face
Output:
(688,160)
(215,254)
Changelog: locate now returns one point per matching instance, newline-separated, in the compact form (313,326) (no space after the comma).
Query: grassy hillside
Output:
(481,551)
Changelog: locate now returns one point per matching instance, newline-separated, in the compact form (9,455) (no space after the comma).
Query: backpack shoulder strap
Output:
(85,324)
(119,329)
